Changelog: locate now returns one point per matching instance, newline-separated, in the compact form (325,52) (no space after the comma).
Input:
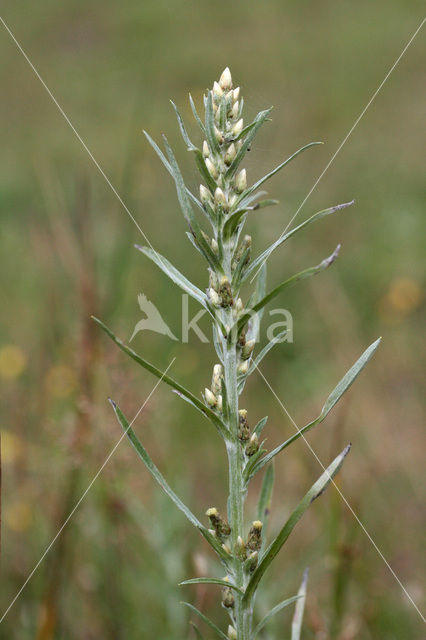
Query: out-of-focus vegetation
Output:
(66,252)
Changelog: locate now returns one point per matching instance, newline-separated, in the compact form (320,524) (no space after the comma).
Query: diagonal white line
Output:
(79,138)
(343,498)
(339,148)
(92,482)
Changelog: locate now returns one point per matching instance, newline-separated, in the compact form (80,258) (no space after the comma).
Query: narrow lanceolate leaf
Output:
(210,133)
(165,378)
(174,275)
(222,583)
(314,492)
(206,620)
(235,218)
(259,427)
(266,349)
(259,293)
(307,273)
(278,168)
(265,498)
(143,454)
(187,209)
(296,625)
(334,396)
(285,236)
(279,607)
(257,123)
(182,128)
(197,632)
(196,116)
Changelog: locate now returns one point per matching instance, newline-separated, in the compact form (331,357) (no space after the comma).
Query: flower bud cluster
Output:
(220,526)
(248,440)
(248,552)
(228,125)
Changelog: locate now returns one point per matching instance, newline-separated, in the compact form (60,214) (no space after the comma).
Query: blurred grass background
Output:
(66,252)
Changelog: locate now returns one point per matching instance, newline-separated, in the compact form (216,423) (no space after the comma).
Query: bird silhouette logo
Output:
(153,320)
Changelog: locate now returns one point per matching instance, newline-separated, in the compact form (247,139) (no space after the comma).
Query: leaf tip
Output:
(112,403)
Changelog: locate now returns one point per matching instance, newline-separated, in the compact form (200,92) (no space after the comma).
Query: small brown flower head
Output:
(253,446)
(243,427)
(251,562)
(220,526)
(254,541)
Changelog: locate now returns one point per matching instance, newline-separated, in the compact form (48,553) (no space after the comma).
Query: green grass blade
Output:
(222,583)
(197,632)
(279,607)
(174,275)
(159,374)
(314,492)
(317,216)
(206,620)
(307,273)
(332,399)
(296,625)
(143,454)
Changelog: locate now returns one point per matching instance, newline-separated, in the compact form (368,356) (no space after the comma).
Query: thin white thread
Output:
(82,497)
(333,157)
(344,498)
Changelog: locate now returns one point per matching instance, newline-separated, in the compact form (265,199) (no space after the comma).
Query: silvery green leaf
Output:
(175,275)
(236,276)
(185,136)
(222,583)
(285,236)
(278,168)
(210,133)
(334,396)
(206,620)
(265,497)
(196,116)
(187,209)
(143,454)
(314,492)
(166,379)
(266,349)
(257,123)
(311,271)
(296,625)
(259,293)
(279,607)
(197,631)
(235,218)
(259,427)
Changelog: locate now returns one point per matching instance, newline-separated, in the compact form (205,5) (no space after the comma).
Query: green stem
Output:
(236,488)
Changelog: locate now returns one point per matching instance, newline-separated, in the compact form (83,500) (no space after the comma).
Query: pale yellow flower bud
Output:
(232,634)
(241,181)
(225,80)
(206,150)
(219,196)
(248,349)
(218,135)
(230,154)
(235,109)
(211,168)
(236,94)
(204,194)
(238,127)
(215,246)
(243,368)
(213,297)
(239,305)
(210,398)
(217,90)
(219,403)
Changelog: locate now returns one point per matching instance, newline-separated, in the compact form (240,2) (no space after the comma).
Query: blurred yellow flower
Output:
(12,447)
(18,516)
(12,362)
(60,381)
(404,295)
